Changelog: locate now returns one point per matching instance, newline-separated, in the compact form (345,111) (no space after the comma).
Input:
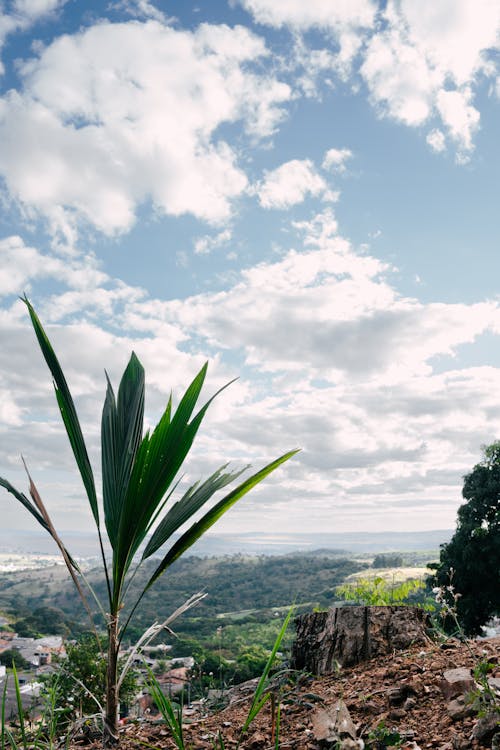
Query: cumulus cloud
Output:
(436,140)
(333,359)
(107,133)
(335,159)
(20,265)
(421,62)
(22,15)
(204,245)
(328,14)
(344,21)
(427,60)
(290,184)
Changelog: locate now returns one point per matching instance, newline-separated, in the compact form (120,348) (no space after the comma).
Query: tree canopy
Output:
(472,557)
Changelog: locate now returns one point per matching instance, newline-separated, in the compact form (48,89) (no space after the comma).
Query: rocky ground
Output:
(422,694)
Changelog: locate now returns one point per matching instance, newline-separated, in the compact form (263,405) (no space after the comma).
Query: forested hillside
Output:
(234,584)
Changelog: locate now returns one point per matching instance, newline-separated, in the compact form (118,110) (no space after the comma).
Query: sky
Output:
(305,194)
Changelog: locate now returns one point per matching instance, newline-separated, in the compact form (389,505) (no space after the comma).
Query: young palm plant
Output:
(138,480)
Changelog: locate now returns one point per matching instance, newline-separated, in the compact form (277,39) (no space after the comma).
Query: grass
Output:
(172,713)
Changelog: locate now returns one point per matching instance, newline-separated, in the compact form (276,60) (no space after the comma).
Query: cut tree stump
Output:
(344,636)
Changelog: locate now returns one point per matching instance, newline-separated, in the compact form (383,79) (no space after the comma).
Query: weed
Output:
(382,737)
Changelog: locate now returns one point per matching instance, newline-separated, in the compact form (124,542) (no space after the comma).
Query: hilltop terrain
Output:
(404,692)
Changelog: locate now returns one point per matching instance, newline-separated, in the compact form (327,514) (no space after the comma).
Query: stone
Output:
(456,682)
(349,635)
(333,724)
(396,714)
(349,744)
(409,704)
(398,695)
(459,709)
(257,741)
(486,727)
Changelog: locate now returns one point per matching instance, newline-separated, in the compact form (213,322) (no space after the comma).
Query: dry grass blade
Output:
(70,564)
(155,628)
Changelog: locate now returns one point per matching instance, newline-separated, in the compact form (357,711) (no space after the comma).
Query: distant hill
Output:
(259,543)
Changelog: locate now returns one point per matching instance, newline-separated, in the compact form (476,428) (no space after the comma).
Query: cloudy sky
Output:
(303,193)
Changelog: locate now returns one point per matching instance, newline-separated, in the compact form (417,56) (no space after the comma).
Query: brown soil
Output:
(423,721)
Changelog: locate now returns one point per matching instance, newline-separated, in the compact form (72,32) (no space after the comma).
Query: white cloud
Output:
(428,60)
(459,116)
(436,140)
(422,62)
(331,311)
(23,14)
(335,360)
(290,184)
(20,265)
(335,159)
(34,9)
(328,14)
(204,245)
(109,132)
(142,9)
(346,21)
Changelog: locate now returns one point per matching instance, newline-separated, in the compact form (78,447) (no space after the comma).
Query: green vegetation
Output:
(80,680)
(388,560)
(138,474)
(382,737)
(473,554)
(377,591)
(230,633)
(11,656)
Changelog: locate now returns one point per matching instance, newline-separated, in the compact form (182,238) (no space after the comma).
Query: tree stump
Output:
(344,636)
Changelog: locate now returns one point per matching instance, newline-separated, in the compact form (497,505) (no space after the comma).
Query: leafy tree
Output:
(10,656)
(470,562)
(81,679)
(138,476)
(42,621)
(388,561)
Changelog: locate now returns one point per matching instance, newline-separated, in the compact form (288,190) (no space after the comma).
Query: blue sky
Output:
(306,194)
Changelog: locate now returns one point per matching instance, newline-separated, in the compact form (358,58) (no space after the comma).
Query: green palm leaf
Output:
(201,526)
(68,412)
(121,433)
(159,458)
(192,500)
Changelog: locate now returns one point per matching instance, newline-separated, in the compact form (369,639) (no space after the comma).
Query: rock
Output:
(349,744)
(486,727)
(398,695)
(495,741)
(397,714)
(349,635)
(459,709)
(369,707)
(333,724)
(409,704)
(456,682)
(494,683)
(257,741)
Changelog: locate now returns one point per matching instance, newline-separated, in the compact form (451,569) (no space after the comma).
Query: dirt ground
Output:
(367,690)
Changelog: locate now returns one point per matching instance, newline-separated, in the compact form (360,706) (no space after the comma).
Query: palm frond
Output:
(68,412)
(199,528)
(121,433)
(159,458)
(192,500)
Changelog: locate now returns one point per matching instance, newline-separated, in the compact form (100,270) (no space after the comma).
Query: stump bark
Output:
(344,636)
